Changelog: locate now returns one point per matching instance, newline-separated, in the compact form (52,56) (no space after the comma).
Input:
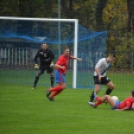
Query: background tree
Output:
(130,9)
(101,4)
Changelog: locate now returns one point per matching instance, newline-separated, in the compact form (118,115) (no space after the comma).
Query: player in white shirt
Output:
(100,75)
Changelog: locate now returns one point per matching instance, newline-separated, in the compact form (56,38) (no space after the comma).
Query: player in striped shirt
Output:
(100,75)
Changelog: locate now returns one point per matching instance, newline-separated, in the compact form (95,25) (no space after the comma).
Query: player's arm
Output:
(59,66)
(127,106)
(97,71)
(72,57)
(35,60)
(52,60)
(98,65)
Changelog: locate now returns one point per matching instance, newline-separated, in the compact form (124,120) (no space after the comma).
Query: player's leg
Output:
(39,73)
(106,81)
(59,90)
(60,79)
(50,71)
(52,79)
(103,99)
(110,86)
(107,98)
(97,88)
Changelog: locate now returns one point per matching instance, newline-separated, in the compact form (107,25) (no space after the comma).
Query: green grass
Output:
(84,78)
(27,111)
(27,77)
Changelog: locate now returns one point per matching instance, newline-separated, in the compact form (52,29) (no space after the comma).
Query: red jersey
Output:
(63,61)
(127,103)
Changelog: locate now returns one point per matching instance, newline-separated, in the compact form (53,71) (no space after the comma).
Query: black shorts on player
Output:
(104,80)
(44,68)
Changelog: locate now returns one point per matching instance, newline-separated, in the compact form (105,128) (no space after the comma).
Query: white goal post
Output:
(75,21)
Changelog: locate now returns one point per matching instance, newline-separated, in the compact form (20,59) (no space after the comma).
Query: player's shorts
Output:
(104,80)
(59,77)
(117,105)
(46,68)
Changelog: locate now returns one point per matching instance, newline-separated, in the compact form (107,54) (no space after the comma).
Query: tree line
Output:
(116,16)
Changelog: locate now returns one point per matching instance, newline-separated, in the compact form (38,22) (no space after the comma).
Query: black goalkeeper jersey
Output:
(45,57)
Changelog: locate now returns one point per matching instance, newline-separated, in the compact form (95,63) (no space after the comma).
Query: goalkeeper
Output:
(46,58)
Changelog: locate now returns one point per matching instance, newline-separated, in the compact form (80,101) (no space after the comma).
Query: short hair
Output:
(65,48)
(112,55)
(43,43)
(132,92)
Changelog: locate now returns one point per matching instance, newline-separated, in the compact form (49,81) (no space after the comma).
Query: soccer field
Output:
(27,111)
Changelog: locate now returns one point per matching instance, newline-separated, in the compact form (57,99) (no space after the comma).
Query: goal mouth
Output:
(21,36)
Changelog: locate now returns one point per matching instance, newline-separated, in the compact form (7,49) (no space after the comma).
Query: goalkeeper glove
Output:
(36,66)
(52,65)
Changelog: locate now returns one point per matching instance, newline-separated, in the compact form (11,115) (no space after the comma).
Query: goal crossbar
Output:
(38,19)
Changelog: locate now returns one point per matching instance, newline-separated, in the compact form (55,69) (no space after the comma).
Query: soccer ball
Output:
(115,98)
(133,106)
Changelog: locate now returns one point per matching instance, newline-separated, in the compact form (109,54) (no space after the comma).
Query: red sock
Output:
(56,93)
(98,98)
(57,88)
(98,103)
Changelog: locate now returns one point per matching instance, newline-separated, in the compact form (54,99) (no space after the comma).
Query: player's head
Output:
(132,93)
(44,46)
(111,57)
(66,51)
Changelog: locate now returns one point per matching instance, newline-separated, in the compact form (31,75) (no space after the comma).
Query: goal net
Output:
(20,39)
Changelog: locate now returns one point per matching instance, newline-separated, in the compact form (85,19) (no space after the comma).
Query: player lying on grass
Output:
(124,105)
(61,68)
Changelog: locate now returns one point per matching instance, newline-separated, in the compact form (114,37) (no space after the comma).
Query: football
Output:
(115,98)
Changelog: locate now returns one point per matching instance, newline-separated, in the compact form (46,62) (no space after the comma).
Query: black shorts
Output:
(104,80)
(45,68)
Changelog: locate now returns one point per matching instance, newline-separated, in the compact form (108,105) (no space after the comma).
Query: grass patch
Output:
(27,111)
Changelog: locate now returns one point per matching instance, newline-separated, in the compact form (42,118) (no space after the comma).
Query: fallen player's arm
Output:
(72,57)
(125,108)
(128,105)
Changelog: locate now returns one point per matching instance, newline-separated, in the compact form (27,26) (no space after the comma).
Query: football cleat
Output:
(48,93)
(51,99)
(92,104)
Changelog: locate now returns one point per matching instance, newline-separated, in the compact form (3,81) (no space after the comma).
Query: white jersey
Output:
(102,65)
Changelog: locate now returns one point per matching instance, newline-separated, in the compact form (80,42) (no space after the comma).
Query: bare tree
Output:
(67,8)
(130,8)
(98,14)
